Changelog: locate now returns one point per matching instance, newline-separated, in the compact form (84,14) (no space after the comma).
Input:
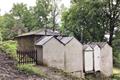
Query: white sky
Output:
(6,5)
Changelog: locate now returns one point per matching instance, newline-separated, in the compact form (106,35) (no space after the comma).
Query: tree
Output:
(42,11)
(21,13)
(84,20)
(116,51)
(6,23)
(54,14)
(112,11)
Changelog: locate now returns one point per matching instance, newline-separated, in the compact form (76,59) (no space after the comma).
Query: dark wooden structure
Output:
(26,57)
(27,41)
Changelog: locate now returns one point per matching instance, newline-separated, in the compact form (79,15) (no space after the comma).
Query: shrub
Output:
(9,47)
(116,52)
(31,69)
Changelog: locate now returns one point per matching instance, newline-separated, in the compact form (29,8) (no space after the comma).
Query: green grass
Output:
(116,73)
(31,69)
(116,70)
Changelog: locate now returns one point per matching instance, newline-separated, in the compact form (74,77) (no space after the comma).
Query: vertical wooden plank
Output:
(30,56)
(36,56)
(33,56)
(26,57)
(23,56)
(20,56)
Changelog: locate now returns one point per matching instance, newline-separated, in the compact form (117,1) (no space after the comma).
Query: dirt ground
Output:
(8,71)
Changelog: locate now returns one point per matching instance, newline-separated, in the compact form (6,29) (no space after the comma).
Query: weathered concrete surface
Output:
(106,60)
(74,57)
(53,54)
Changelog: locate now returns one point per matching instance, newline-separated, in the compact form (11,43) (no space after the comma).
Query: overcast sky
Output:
(6,5)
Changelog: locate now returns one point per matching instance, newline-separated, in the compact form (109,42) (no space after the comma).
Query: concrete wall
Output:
(106,60)
(39,55)
(53,54)
(74,57)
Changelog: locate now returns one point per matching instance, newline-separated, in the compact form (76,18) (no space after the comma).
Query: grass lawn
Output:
(116,70)
(116,73)
(31,69)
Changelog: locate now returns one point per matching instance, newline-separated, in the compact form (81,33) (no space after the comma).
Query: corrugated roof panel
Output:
(41,32)
(65,40)
(44,40)
(100,44)
(92,45)
(59,37)
(86,46)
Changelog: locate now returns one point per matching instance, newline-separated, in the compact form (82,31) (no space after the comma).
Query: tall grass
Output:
(31,69)
(9,47)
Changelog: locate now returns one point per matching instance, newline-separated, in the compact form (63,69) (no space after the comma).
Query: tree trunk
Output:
(111,32)
(111,38)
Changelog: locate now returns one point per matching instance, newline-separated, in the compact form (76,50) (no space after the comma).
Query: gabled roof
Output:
(100,44)
(86,46)
(43,40)
(49,32)
(59,37)
(92,45)
(65,40)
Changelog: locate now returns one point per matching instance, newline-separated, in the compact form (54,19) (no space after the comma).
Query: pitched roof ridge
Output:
(100,44)
(85,46)
(40,32)
(66,40)
(44,40)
